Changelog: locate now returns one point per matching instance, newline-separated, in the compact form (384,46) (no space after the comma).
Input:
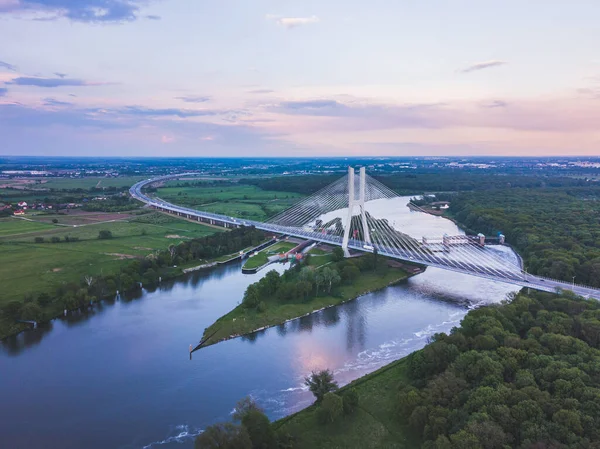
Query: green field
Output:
(262,257)
(241,320)
(237,200)
(27,267)
(88,183)
(373,424)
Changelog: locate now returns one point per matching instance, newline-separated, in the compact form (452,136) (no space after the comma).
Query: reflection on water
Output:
(124,379)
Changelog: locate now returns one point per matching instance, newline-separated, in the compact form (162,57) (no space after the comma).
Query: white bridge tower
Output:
(360,202)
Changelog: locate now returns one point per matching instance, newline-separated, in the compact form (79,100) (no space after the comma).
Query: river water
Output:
(120,376)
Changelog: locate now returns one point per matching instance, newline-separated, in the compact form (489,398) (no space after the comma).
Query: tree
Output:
(350,273)
(331,277)
(224,436)
(337,254)
(321,383)
(259,429)
(331,408)
(251,297)
(243,407)
(105,234)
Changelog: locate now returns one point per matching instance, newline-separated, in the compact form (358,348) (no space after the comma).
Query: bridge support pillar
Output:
(360,202)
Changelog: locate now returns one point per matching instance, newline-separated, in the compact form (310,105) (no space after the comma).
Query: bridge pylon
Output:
(352,202)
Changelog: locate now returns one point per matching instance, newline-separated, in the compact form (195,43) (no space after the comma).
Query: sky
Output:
(299,78)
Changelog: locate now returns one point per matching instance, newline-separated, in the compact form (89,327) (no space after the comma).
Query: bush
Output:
(39,240)
(105,234)
(331,408)
(223,436)
(55,239)
(262,307)
(350,399)
(55,220)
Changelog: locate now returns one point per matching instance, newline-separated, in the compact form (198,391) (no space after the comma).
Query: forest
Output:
(522,374)
(556,230)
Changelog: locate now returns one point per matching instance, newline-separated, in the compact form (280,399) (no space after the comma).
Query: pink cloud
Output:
(167,139)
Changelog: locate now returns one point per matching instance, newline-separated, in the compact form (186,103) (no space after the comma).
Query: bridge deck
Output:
(511,275)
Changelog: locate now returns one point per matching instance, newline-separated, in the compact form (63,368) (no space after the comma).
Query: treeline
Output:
(305,184)
(421,181)
(303,282)
(147,271)
(524,374)
(556,231)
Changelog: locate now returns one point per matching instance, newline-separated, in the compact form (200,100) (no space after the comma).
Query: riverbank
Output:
(107,288)
(373,424)
(243,320)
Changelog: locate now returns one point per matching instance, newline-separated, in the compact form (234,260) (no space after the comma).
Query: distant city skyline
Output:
(288,78)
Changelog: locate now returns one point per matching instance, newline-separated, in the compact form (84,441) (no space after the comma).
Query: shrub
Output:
(350,399)
(55,239)
(105,234)
(331,408)
(39,240)
(55,220)
(262,307)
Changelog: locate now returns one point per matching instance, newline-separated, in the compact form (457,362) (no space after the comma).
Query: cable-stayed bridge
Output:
(353,215)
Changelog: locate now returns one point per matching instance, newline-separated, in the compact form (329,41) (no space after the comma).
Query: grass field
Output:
(262,257)
(241,320)
(27,267)
(241,201)
(373,425)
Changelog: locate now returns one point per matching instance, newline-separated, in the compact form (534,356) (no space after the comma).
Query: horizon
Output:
(136,78)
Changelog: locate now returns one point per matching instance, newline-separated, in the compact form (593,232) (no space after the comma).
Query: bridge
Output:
(352,215)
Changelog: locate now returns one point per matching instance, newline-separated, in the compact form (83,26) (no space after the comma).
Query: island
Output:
(323,278)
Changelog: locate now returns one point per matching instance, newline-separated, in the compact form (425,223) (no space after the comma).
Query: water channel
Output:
(120,376)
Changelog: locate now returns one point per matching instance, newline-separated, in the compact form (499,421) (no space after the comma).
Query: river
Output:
(120,376)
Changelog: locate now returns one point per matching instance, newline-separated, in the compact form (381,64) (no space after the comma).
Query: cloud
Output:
(3,91)
(50,82)
(150,112)
(495,104)
(483,65)
(194,99)
(60,75)
(309,105)
(153,17)
(53,102)
(6,65)
(167,139)
(261,91)
(328,115)
(292,22)
(92,11)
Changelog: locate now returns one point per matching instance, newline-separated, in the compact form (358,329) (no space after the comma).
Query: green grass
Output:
(262,257)
(18,226)
(241,321)
(235,200)
(373,425)
(31,268)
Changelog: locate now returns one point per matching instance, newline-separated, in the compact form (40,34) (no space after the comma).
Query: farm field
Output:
(27,267)
(236,200)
